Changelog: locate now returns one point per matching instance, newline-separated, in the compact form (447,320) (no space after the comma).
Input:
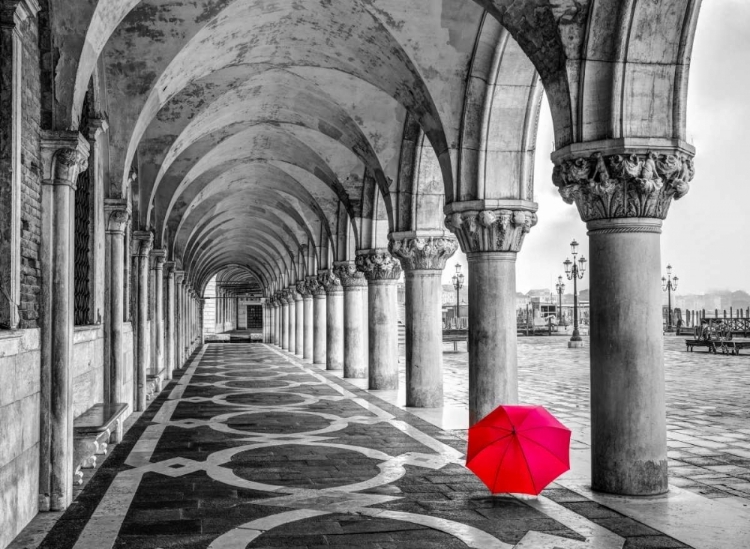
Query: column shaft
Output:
(493,368)
(319,329)
(335,330)
(142,332)
(307,347)
(170,320)
(285,326)
(299,316)
(424,338)
(383,340)
(628,413)
(118,214)
(292,326)
(355,365)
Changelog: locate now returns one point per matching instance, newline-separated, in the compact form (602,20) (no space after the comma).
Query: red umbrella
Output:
(518,449)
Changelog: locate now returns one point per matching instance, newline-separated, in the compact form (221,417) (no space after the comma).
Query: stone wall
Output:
(31,191)
(88,368)
(20,366)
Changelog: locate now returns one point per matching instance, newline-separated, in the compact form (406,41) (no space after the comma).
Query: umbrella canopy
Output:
(518,449)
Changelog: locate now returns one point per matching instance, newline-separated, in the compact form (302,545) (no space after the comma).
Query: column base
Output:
(575,345)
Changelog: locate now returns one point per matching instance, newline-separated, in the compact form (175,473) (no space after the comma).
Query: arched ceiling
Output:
(259,127)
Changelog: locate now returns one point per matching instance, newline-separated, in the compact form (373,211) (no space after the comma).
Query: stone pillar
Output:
(423,260)
(179,280)
(307,320)
(491,240)
(355,289)
(623,192)
(292,299)
(382,272)
(285,320)
(145,240)
(320,321)
(117,212)
(334,320)
(158,257)
(299,323)
(274,321)
(64,156)
(169,362)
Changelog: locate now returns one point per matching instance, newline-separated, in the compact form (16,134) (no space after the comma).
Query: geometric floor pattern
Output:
(250,448)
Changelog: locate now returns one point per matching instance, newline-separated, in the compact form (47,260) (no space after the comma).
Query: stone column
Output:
(285,320)
(117,212)
(382,272)
(355,289)
(292,298)
(334,320)
(158,257)
(179,277)
(319,321)
(145,240)
(307,320)
(299,316)
(423,260)
(64,156)
(491,240)
(623,190)
(169,361)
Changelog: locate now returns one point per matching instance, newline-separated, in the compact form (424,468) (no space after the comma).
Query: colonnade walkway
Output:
(250,447)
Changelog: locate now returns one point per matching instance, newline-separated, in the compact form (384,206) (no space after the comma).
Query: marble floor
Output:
(249,447)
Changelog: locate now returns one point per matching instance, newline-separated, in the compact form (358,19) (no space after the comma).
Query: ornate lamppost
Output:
(560,287)
(458,283)
(669,285)
(575,270)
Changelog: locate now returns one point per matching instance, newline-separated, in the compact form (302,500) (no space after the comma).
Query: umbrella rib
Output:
(531,476)
(494,483)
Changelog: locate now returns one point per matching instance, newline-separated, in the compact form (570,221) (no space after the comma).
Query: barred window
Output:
(83,234)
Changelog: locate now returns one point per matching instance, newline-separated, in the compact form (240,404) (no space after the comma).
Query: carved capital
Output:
(64,156)
(158,258)
(169,269)
(379,265)
(144,240)
(330,282)
(315,288)
(14,12)
(292,294)
(303,289)
(118,214)
(491,230)
(631,184)
(347,273)
(429,253)
(179,277)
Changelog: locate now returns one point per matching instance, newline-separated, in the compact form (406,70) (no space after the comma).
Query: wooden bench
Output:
(732,346)
(93,431)
(455,336)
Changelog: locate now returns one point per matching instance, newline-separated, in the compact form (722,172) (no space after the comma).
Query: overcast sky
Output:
(706,236)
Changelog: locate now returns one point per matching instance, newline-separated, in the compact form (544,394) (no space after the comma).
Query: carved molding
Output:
(158,258)
(491,230)
(144,240)
(330,282)
(624,185)
(350,277)
(378,266)
(118,219)
(430,253)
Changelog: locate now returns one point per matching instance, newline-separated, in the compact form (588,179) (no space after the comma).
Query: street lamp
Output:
(560,287)
(458,283)
(575,270)
(669,285)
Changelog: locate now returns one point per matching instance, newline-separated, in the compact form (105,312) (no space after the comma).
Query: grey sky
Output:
(706,234)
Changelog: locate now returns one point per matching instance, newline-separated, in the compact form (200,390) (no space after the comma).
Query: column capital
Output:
(492,230)
(118,213)
(65,154)
(293,294)
(158,257)
(314,286)
(330,282)
(144,240)
(179,277)
(15,12)
(303,289)
(618,179)
(378,265)
(169,269)
(422,252)
(347,273)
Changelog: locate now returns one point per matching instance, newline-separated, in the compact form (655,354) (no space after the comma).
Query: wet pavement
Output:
(249,447)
